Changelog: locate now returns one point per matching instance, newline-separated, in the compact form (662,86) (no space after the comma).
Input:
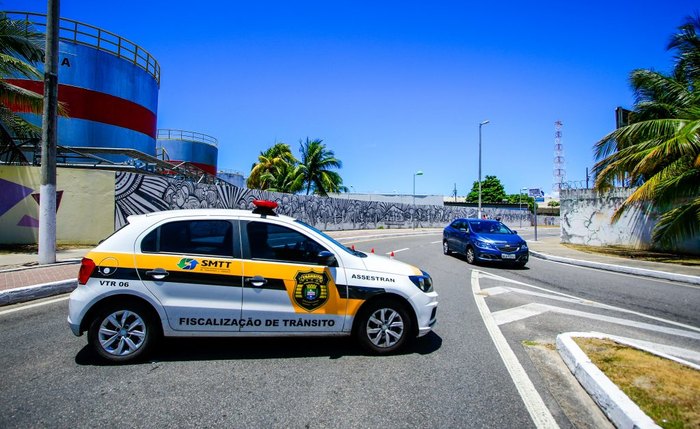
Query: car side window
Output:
(278,243)
(191,237)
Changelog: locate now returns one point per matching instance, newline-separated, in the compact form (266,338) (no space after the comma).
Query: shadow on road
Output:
(205,349)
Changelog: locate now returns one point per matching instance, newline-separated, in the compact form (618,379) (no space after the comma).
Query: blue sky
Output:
(393,87)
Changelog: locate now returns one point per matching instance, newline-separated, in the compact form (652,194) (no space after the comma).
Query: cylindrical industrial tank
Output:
(233,177)
(177,146)
(108,85)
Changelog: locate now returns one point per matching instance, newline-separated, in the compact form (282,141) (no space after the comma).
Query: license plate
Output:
(507,256)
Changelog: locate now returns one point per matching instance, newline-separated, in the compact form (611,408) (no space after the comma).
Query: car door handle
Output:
(158,273)
(257,281)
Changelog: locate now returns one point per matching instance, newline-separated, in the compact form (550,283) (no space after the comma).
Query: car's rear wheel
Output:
(445,248)
(122,332)
(471,256)
(383,326)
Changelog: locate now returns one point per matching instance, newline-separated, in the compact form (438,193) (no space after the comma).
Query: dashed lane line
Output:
(398,250)
(531,398)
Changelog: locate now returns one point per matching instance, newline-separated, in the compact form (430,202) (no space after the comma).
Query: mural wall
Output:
(93,203)
(85,205)
(136,194)
(586,214)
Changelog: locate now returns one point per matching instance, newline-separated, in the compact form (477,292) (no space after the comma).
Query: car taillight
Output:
(87,266)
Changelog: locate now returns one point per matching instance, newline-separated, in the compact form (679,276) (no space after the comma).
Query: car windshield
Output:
(331,239)
(489,227)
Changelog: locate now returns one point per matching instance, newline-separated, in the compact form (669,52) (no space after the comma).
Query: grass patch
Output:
(640,254)
(666,391)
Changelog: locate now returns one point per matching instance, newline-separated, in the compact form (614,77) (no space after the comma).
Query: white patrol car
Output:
(213,272)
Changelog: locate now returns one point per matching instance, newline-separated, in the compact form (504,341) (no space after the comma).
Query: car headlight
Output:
(484,244)
(523,246)
(424,282)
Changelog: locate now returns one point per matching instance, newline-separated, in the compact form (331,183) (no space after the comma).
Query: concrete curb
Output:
(31,267)
(28,293)
(620,269)
(615,404)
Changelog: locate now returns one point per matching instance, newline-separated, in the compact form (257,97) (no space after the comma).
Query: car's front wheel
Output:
(383,326)
(471,256)
(122,332)
(445,248)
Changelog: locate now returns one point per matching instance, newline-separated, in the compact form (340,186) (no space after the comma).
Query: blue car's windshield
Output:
(489,227)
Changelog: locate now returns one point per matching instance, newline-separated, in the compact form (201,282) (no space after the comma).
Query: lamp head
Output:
(419,173)
(484,123)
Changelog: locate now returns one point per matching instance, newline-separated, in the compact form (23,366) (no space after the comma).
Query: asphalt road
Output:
(454,377)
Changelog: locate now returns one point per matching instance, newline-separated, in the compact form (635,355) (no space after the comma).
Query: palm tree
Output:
(659,151)
(20,48)
(316,165)
(276,170)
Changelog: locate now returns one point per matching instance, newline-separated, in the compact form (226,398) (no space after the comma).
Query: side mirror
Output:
(515,232)
(327,258)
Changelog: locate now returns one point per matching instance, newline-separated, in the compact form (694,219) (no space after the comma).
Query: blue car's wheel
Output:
(471,257)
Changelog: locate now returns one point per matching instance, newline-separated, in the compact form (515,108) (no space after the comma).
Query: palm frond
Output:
(678,224)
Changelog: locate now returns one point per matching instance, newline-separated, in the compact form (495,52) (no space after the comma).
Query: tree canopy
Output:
(278,170)
(20,49)
(659,151)
(492,191)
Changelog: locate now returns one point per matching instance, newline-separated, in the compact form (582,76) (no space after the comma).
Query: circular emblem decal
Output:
(311,290)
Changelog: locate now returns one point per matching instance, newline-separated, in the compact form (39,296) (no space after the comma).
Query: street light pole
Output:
(480,125)
(47,192)
(417,173)
(520,207)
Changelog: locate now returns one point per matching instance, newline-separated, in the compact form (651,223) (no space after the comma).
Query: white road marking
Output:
(519,313)
(398,250)
(595,303)
(533,402)
(533,309)
(37,304)
(436,242)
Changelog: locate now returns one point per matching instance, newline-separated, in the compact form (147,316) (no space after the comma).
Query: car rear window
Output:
(198,237)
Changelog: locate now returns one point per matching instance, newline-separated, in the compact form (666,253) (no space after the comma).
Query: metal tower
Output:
(559,169)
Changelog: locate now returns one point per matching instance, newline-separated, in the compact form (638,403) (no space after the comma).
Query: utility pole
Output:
(47,192)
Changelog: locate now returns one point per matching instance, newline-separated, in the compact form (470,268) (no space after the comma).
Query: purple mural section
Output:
(139,194)
(12,193)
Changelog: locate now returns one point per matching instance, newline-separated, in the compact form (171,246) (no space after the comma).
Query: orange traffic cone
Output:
(373,250)
(392,254)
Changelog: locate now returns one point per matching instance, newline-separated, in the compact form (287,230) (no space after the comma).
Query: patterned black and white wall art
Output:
(140,194)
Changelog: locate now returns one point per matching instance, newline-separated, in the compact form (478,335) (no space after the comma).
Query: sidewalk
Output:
(22,279)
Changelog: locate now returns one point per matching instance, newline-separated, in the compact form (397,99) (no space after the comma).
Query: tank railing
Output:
(168,134)
(103,40)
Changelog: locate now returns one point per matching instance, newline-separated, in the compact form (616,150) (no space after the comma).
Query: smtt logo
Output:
(187,263)
(311,291)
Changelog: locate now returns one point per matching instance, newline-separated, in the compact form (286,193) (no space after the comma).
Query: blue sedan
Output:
(481,240)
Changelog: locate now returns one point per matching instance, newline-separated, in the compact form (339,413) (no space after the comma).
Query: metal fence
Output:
(85,34)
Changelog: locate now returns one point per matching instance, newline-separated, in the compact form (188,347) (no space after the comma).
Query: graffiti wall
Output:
(85,205)
(93,203)
(136,194)
(586,215)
